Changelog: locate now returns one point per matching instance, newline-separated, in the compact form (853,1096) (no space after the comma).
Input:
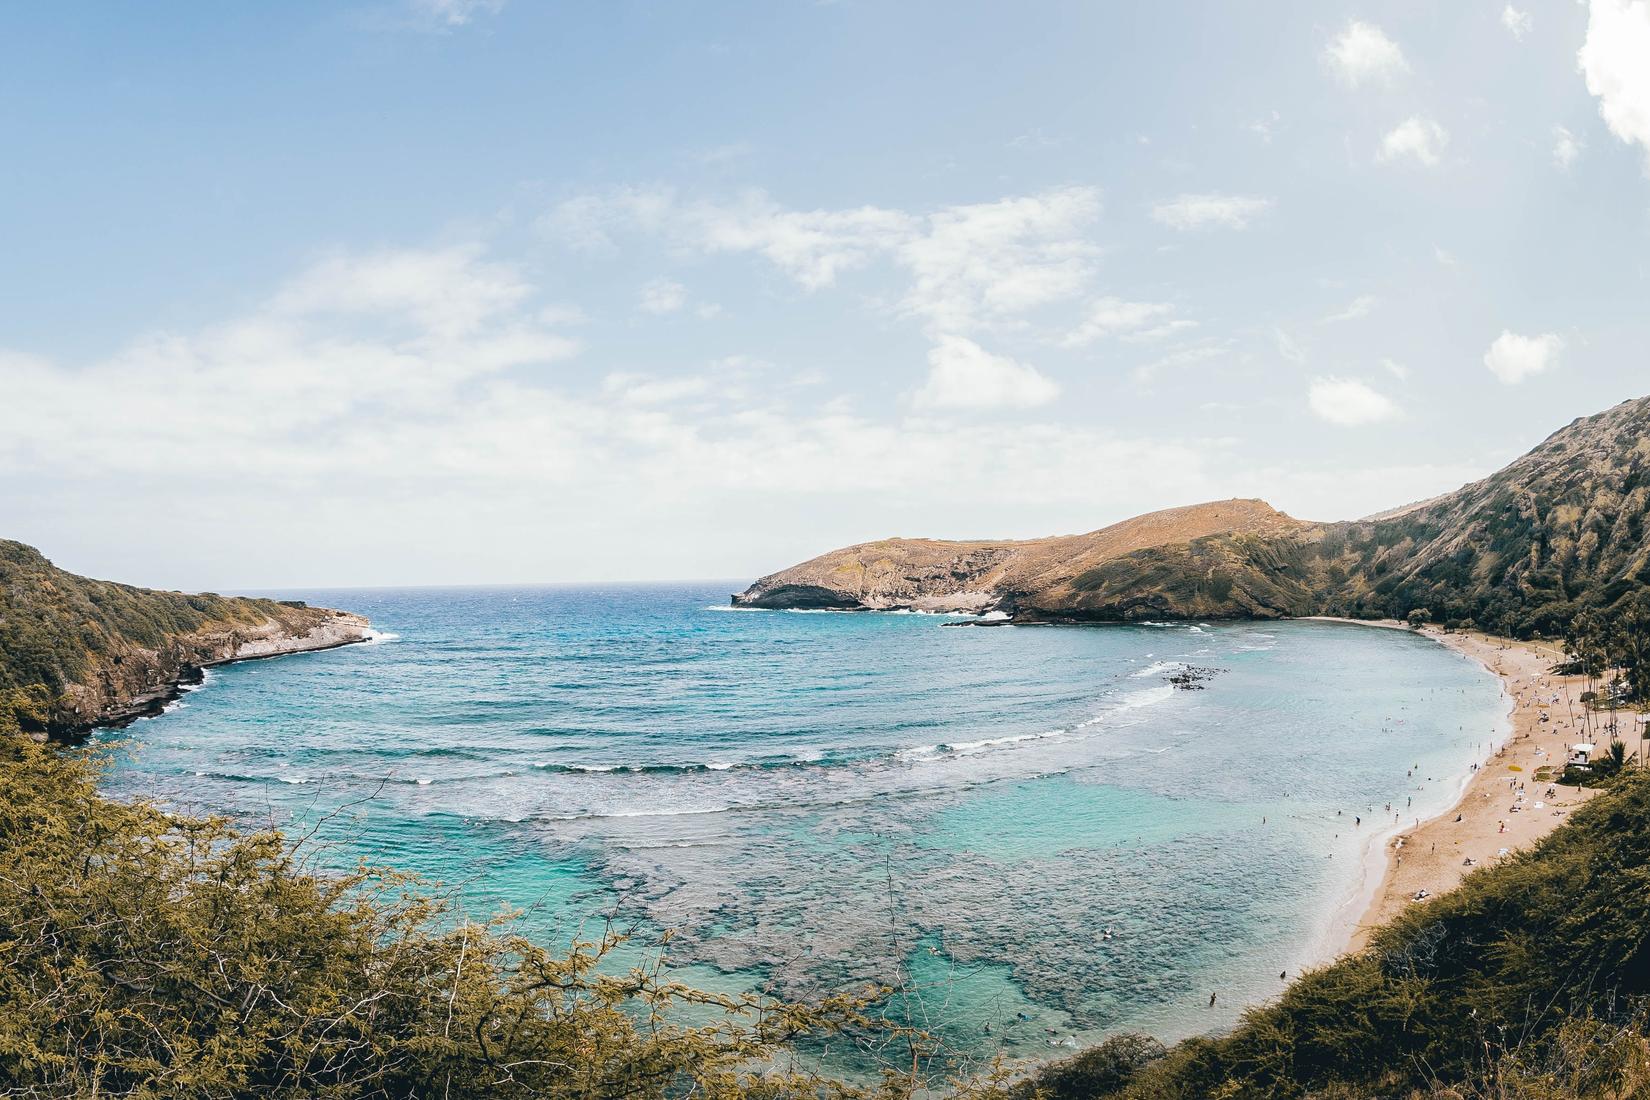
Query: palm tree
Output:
(1618,755)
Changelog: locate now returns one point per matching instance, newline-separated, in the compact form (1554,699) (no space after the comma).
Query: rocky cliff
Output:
(77,653)
(1559,531)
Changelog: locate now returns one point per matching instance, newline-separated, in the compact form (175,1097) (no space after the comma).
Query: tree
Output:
(1419,617)
(1616,756)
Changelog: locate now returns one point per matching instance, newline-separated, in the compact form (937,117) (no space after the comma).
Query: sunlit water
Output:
(814,800)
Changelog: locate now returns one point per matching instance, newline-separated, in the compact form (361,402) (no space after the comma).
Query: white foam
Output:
(1147,697)
(1160,668)
(992,742)
(694,812)
(378,637)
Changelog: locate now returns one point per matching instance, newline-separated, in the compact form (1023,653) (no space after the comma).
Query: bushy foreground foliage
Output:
(1532,980)
(145,954)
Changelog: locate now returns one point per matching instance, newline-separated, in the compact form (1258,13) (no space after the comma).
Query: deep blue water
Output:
(812,800)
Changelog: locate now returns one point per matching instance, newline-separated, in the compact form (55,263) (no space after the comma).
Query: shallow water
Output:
(815,800)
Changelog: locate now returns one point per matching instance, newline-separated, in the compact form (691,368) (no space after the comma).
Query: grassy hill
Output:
(76,651)
(1560,531)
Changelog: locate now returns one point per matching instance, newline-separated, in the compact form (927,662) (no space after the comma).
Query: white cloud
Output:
(812,246)
(588,223)
(455,13)
(1184,357)
(1513,358)
(963,375)
(1264,127)
(341,370)
(1417,137)
(983,262)
(641,389)
(449,291)
(1566,148)
(1517,22)
(1204,210)
(1288,348)
(1363,53)
(1358,307)
(1349,402)
(1130,320)
(662,296)
(968,266)
(1396,369)
(1035,138)
(1615,59)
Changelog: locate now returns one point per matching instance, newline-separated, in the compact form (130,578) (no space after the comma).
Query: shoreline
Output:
(345,629)
(1501,807)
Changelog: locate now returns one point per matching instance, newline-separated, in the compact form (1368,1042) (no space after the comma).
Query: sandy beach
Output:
(1503,807)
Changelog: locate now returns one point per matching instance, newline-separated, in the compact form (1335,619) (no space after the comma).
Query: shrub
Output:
(146,954)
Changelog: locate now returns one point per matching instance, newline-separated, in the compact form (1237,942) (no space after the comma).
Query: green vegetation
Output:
(59,631)
(1609,650)
(145,954)
(1560,533)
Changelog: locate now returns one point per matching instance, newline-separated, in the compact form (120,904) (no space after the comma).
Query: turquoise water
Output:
(814,800)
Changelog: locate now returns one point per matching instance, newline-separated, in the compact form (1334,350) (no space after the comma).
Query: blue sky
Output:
(426,292)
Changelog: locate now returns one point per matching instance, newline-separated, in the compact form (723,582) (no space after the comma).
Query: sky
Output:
(491,291)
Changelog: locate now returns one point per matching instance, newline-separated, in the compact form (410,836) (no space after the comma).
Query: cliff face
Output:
(1557,532)
(1561,530)
(76,652)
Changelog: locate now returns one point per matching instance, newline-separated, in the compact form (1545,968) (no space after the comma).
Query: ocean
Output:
(1036,831)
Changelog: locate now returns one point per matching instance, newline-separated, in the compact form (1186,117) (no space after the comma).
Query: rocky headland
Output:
(78,653)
